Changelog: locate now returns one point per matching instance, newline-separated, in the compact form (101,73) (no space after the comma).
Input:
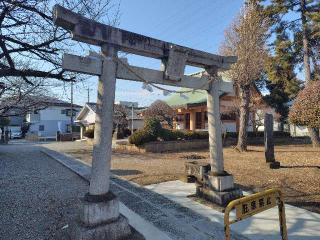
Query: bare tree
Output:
(246,38)
(120,120)
(160,110)
(19,97)
(31,46)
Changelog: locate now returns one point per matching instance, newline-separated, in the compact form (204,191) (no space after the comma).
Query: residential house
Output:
(86,116)
(16,120)
(56,116)
(191,111)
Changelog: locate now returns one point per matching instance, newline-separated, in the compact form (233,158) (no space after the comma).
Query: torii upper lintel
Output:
(92,32)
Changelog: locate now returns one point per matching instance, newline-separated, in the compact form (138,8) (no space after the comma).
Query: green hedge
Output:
(141,137)
(153,131)
(260,134)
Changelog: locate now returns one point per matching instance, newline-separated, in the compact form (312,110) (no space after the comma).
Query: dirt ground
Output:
(298,177)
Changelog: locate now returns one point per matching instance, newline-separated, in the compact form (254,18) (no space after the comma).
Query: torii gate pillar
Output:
(218,185)
(100,217)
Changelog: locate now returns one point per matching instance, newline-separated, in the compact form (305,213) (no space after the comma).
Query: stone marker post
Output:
(218,185)
(100,217)
(268,141)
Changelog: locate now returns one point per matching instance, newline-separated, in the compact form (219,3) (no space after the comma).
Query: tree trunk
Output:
(314,134)
(244,95)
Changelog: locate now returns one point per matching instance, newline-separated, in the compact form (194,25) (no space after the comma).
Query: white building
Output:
(87,115)
(56,117)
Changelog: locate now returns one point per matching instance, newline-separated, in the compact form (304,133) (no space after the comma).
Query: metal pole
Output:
(71,118)
(131,118)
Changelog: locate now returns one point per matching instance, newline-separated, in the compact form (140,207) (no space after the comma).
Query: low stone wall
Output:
(176,146)
(169,146)
(129,148)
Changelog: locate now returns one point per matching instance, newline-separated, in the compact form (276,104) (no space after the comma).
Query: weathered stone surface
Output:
(91,32)
(95,213)
(221,198)
(268,137)
(214,123)
(219,183)
(116,230)
(197,169)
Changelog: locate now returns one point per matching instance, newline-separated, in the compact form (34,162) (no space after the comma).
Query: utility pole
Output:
(88,92)
(71,117)
(132,118)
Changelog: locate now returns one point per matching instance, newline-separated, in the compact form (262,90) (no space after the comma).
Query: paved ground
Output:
(38,196)
(301,224)
(176,221)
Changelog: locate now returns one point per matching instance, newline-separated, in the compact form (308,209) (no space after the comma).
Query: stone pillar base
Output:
(220,198)
(218,188)
(100,220)
(118,229)
(274,165)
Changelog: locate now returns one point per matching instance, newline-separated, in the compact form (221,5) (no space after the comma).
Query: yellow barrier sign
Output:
(250,205)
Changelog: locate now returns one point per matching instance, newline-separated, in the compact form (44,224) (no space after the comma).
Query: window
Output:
(41,127)
(68,112)
(187,119)
(228,116)
(198,120)
(63,111)
(179,118)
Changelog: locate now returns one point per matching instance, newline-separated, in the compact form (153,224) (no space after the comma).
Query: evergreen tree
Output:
(281,82)
(303,25)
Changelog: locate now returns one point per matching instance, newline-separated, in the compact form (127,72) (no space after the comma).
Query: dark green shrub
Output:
(153,127)
(141,137)
(188,135)
(202,135)
(89,133)
(171,135)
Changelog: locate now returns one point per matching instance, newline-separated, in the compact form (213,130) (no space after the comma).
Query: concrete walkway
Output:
(301,224)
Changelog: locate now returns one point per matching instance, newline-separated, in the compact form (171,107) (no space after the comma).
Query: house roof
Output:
(93,107)
(176,99)
(192,97)
(57,102)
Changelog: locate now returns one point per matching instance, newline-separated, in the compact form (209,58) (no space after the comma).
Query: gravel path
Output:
(38,196)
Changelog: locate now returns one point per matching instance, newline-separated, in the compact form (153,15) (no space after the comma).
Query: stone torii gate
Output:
(100,218)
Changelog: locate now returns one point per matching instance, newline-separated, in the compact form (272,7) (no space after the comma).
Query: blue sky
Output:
(198,24)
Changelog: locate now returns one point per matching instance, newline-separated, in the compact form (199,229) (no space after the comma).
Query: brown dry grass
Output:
(299,176)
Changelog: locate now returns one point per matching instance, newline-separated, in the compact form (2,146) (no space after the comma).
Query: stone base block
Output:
(99,209)
(219,183)
(116,230)
(197,169)
(274,165)
(221,198)
(188,179)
